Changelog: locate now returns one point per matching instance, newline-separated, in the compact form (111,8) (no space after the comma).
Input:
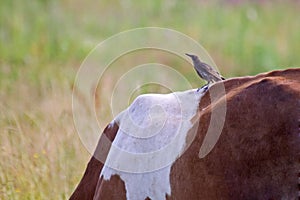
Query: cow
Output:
(161,148)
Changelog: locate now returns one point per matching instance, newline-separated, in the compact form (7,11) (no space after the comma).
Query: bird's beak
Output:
(188,55)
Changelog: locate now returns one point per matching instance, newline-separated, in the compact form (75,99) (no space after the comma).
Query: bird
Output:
(205,71)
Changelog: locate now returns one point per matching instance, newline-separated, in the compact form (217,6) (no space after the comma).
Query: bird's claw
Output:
(205,88)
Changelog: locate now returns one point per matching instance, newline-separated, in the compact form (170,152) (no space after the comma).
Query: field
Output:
(43,43)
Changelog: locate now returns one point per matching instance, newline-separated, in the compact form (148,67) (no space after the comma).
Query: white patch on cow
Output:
(152,134)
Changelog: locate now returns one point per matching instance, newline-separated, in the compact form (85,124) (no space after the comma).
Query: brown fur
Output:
(257,154)
(87,186)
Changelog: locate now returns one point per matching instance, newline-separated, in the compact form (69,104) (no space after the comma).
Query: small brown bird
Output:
(205,71)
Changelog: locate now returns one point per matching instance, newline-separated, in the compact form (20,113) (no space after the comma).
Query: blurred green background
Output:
(43,42)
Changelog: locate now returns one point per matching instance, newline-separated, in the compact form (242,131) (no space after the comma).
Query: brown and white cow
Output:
(157,141)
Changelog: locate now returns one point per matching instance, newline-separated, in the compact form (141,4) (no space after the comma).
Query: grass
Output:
(44,42)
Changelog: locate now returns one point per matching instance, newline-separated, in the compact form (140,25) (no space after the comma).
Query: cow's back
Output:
(255,157)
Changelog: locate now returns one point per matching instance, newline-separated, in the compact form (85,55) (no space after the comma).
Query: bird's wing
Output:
(207,66)
(211,70)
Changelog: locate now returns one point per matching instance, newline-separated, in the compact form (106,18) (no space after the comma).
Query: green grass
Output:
(42,44)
